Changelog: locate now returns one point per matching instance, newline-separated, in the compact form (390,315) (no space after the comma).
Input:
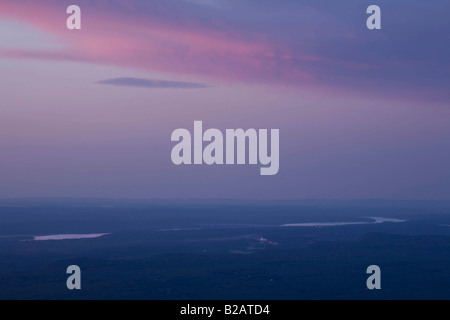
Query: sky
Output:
(362,114)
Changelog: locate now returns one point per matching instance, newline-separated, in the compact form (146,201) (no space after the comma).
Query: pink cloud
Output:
(173,37)
(155,44)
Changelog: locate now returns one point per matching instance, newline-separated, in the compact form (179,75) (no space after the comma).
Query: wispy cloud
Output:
(152,84)
(296,43)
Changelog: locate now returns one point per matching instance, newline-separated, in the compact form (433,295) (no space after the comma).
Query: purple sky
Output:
(89,113)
